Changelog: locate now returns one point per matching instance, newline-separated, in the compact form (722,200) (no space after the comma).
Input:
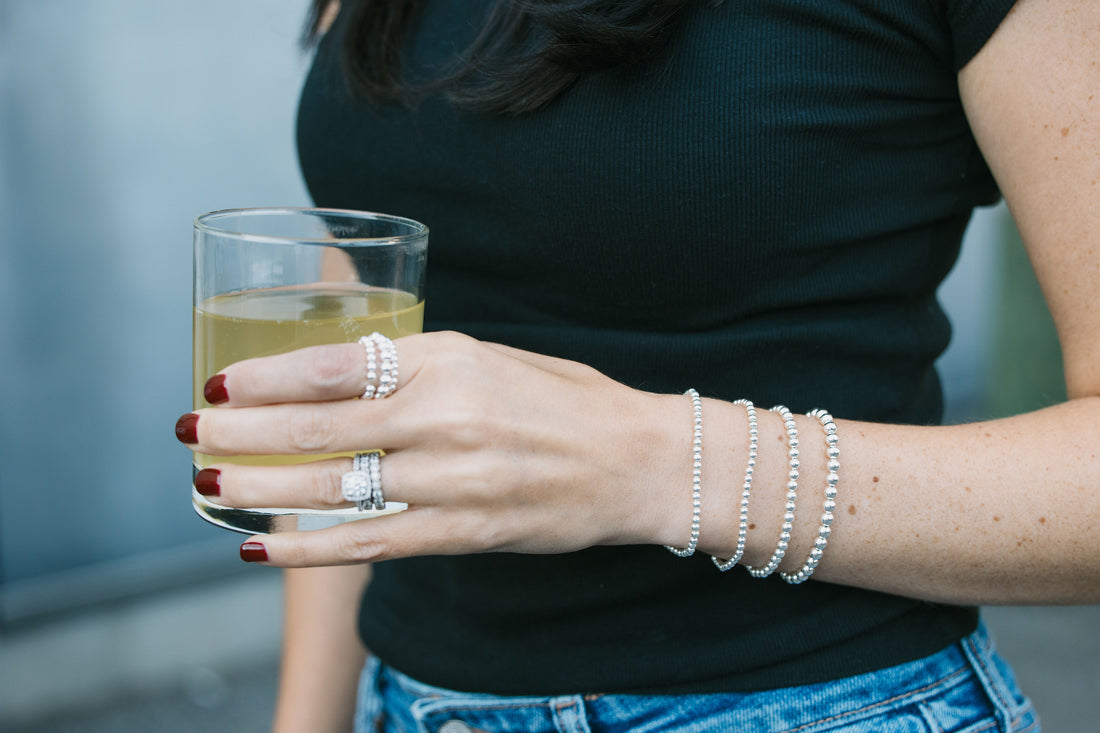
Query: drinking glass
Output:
(271,280)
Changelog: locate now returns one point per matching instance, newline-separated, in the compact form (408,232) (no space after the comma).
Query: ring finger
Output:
(315,485)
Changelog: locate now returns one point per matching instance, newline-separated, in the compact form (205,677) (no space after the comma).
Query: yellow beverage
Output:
(236,326)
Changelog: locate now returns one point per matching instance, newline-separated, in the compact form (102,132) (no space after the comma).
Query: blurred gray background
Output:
(120,121)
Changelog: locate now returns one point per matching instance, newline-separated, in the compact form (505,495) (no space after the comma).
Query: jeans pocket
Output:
(478,715)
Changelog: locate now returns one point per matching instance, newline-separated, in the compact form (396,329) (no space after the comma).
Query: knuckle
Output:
(473,479)
(463,425)
(484,533)
(334,367)
(355,547)
(454,341)
(310,429)
(326,486)
(296,556)
(457,351)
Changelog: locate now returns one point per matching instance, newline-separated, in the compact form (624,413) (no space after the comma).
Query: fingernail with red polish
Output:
(253,552)
(214,391)
(187,428)
(208,482)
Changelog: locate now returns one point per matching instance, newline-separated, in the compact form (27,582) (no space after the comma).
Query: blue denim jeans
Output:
(965,688)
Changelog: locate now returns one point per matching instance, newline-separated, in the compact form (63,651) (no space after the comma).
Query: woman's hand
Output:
(492,448)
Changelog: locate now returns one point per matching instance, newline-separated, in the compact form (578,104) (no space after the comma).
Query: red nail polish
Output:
(208,482)
(214,391)
(187,428)
(253,552)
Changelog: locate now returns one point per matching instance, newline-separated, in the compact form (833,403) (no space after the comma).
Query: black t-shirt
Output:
(763,211)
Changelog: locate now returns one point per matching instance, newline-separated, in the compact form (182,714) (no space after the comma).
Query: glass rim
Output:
(206,223)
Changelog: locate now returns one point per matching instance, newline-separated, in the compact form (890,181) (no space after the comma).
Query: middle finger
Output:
(291,429)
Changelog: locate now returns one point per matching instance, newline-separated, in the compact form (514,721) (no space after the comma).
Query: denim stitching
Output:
(1034,725)
(456,704)
(929,718)
(1008,713)
(880,703)
(1002,708)
(451,704)
(580,720)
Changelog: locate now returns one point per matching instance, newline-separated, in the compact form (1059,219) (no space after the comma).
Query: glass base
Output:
(268,520)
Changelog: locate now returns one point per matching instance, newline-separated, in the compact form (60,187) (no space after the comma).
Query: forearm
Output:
(1006,511)
(322,655)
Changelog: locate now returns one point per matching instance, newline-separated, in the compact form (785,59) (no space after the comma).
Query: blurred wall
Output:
(120,121)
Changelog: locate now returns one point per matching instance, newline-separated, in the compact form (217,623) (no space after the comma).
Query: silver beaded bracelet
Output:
(792,494)
(832,447)
(696,476)
(743,517)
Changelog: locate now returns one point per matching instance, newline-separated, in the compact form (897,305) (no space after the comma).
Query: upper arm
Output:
(1032,96)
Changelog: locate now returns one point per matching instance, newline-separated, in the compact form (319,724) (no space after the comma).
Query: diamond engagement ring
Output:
(363,484)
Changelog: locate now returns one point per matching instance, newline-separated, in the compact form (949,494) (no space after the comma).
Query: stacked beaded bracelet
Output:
(696,476)
(792,494)
(832,448)
(743,518)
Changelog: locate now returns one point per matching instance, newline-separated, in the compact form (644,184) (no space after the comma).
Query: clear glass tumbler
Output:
(272,280)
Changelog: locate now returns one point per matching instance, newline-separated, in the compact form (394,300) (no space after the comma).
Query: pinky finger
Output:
(416,531)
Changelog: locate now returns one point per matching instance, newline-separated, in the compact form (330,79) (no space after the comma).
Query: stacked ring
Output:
(363,484)
(381,366)
(374,470)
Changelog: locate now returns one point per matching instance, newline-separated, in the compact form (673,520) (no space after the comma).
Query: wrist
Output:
(656,503)
(667,478)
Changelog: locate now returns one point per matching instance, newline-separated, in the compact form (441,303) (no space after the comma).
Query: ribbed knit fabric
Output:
(764,211)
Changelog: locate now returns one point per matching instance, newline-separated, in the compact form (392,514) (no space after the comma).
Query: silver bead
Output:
(824,531)
(696,476)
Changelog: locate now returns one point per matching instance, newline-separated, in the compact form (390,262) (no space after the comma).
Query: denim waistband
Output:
(965,687)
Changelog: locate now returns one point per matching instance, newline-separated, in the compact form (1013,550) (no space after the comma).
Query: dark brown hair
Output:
(528,52)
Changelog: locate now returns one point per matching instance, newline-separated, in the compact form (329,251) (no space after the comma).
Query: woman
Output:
(752,200)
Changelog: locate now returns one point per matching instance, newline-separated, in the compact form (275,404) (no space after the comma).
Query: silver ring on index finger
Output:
(381,358)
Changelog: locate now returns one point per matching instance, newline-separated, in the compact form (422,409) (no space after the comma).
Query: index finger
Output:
(312,374)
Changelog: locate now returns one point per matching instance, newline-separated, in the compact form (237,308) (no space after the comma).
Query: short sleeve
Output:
(972,23)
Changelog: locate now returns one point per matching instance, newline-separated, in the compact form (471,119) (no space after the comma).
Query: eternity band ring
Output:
(381,358)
